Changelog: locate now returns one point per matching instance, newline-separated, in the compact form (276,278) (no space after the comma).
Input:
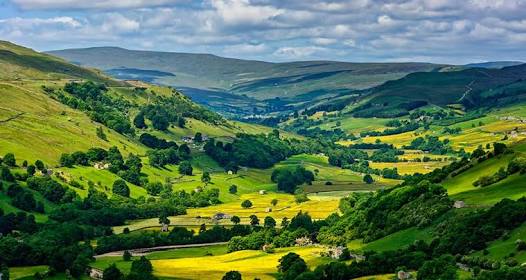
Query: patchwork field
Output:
(286,207)
(410,167)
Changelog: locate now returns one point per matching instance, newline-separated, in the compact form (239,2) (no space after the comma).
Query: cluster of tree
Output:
(51,189)
(362,166)
(23,199)
(387,211)
(160,116)
(341,156)
(391,131)
(430,144)
(55,244)
(177,236)
(448,130)
(332,135)
(386,155)
(300,226)
(288,179)
(154,142)
(129,170)
(462,232)
(140,269)
(100,106)
(372,146)
(160,158)
(259,151)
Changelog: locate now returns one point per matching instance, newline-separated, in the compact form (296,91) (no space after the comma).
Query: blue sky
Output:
(440,31)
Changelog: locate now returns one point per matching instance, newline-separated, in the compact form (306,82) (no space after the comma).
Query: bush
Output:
(232,189)
(246,204)
(368,179)
(185,168)
(121,188)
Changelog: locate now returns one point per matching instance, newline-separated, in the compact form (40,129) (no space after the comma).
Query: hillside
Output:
(206,75)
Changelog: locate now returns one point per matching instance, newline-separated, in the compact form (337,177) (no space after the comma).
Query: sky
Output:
(439,31)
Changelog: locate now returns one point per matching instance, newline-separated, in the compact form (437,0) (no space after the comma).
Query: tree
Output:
(269,222)
(285,222)
(232,275)
(9,159)
(39,165)
(138,121)
(31,170)
(121,188)
(185,168)
(66,160)
(232,189)
(163,220)
(205,178)
(274,202)
(5,174)
(4,270)
(126,256)
(442,268)
(101,134)
(235,219)
(112,273)
(368,179)
(154,188)
(198,138)
(142,266)
(287,261)
(246,204)
(254,221)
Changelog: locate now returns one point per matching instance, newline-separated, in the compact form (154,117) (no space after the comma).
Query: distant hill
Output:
(292,82)
(494,64)
(17,62)
(396,98)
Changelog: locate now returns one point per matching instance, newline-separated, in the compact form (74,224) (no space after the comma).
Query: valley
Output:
(300,170)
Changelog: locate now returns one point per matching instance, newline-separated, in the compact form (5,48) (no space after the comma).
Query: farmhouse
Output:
(221,216)
(459,204)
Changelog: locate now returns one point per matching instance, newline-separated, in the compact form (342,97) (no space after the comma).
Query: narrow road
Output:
(145,251)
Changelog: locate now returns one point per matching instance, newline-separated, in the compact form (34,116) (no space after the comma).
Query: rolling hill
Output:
(294,83)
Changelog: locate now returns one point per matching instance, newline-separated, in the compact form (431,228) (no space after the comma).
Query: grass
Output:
(194,263)
(214,250)
(501,249)
(464,181)
(512,187)
(410,167)
(26,271)
(250,264)
(286,207)
(393,241)
(46,127)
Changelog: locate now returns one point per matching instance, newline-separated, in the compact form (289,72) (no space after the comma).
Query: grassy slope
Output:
(500,249)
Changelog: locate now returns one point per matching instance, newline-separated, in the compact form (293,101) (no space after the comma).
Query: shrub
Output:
(246,204)
(121,188)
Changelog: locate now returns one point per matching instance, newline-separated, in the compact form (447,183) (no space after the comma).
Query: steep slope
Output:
(18,62)
(208,75)
(395,98)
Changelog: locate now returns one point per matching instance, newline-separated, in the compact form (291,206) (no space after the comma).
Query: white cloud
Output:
(324,41)
(297,52)
(91,4)
(117,23)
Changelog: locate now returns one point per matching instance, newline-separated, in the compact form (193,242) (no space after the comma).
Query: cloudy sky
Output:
(444,31)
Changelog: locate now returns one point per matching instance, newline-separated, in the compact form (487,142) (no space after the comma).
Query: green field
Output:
(393,241)
(501,249)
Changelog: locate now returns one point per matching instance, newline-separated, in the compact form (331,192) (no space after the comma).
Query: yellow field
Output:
(318,207)
(377,277)
(251,264)
(410,167)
